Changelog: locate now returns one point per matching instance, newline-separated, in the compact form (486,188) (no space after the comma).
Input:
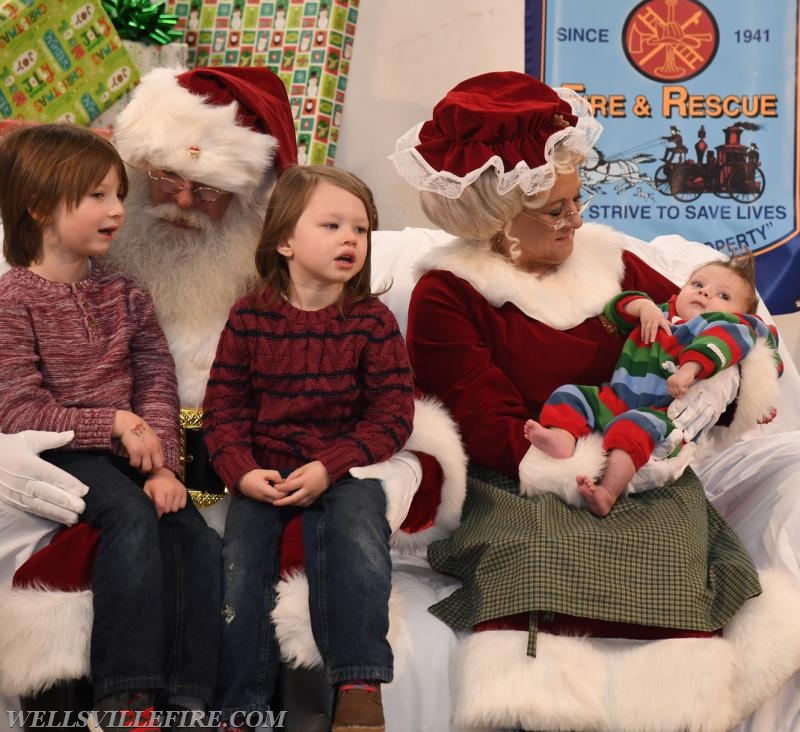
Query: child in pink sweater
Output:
(81,350)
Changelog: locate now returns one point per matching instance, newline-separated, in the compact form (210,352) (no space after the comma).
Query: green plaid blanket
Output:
(662,558)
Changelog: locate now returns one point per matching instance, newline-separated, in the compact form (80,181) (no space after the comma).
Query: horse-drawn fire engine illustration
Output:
(623,172)
(733,172)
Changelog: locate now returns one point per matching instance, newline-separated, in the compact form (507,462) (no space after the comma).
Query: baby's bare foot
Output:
(598,499)
(552,441)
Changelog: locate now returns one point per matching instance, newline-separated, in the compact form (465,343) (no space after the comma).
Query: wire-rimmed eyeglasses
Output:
(559,223)
(170,185)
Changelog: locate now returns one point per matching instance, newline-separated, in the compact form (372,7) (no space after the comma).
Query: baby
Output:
(707,327)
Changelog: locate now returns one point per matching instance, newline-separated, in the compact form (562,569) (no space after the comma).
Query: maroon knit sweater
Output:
(72,354)
(291,386)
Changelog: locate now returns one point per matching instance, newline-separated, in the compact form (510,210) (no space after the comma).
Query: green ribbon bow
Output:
(142,20)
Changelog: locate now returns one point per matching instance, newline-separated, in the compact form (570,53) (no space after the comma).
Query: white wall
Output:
(406,55)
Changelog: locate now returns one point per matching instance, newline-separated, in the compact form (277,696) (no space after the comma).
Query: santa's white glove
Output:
(400,475)
(661,470)
(35,486)
(705,401)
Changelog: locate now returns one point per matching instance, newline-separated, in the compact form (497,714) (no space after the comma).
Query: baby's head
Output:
(720,286)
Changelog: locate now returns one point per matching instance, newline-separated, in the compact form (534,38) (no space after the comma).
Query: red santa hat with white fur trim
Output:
(229,127)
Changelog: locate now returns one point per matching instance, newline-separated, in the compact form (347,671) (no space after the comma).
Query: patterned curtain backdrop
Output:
(308,43)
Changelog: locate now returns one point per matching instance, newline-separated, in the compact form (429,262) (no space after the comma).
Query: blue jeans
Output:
(346,547)
(156,584)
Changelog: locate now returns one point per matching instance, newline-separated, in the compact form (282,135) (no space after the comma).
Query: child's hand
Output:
(262,485)
(682,379)
(305,485)
(166,491)
(140,442)
(651,318)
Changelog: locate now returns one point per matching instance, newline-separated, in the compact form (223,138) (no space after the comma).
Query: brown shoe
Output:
(358,709)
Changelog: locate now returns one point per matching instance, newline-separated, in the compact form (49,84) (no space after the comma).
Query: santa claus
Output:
(203,149)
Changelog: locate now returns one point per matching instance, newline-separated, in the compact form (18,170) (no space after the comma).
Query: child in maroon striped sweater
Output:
(311,378)
(81,350)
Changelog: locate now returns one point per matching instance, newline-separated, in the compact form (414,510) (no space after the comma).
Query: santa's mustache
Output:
(176,215)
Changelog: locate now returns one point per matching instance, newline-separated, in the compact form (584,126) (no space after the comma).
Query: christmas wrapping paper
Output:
(60,61)
(145,57)
(307,43)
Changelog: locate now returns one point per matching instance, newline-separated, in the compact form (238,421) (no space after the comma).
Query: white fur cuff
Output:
(44,638)
(436,434)
(539,473)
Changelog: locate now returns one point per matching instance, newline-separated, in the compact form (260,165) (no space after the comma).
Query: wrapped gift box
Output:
(60,60)
(308,43)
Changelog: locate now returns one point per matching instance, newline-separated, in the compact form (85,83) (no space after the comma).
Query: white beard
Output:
(194,275)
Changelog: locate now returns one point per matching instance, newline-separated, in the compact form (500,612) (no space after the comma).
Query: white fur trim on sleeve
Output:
(436,434)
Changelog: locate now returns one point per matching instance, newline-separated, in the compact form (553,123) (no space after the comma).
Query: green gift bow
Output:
(142,20)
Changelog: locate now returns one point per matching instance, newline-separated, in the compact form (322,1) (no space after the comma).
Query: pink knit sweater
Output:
(72,354)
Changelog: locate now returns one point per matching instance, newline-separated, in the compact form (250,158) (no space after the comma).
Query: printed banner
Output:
(308,44)
(60,61)
(699,103)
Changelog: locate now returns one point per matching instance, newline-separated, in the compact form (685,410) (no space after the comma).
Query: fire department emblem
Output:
(670,40)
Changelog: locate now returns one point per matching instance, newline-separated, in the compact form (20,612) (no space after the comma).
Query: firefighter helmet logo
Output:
(670,40)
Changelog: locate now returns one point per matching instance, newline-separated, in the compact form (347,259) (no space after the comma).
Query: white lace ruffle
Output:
(580,139)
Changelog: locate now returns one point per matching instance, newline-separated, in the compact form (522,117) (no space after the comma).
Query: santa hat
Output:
(503,119)
(226,127)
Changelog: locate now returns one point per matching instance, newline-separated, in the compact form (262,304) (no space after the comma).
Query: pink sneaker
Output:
(128,710)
